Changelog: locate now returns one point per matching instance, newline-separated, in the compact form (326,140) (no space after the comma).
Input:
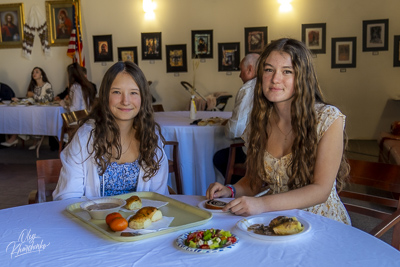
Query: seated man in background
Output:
(235,126)
(6,93)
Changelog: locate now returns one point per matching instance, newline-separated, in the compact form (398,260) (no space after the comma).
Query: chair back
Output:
(174,165)
(70,124)
(158,108)
(48,172)
(222,101)
(379,197)
(234,168)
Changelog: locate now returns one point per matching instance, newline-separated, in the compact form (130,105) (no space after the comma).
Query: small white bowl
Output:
(100,212)
(7,102)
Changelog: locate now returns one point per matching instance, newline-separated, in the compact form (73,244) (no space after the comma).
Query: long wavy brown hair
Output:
(32,83)
(106,134)
(76,74)
(303,118)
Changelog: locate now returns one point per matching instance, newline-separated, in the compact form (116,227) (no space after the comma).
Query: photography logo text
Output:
(27,243)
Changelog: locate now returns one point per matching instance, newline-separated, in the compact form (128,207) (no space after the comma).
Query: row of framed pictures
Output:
(202,47)
(228,53)
(202,43)
(375,38)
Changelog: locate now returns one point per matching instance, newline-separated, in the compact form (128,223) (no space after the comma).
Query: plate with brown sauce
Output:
(262,227)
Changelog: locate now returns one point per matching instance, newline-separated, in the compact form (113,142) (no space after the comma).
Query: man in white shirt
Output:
(235,126)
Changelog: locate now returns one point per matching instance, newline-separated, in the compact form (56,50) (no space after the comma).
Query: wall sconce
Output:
(148,8)
(285,5)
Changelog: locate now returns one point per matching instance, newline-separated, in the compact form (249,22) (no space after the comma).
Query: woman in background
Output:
(39,87)
(118,147)
(295,141)
(81,92)
(41,91)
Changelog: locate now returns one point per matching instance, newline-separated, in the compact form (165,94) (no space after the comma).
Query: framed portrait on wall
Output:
(375,35)
(255,39)
(128,54)
(228,56)
(60,16)
(344,52)
(396,53)
(12,25)
(314,37)
(151,46)
(102,47)
(176,58)
(202,44)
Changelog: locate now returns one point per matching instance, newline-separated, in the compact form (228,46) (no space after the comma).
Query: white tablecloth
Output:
(31,120)
(197,146)
(66,241)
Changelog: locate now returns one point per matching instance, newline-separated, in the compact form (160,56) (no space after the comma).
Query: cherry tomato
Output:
(232,239)
(204,246)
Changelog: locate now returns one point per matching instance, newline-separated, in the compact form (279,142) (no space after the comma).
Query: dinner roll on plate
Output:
(133,203)
(144,217)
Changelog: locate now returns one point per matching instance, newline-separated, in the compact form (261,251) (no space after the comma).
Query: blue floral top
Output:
(120,178)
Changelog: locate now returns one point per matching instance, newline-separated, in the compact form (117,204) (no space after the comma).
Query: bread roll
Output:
(144,217)
(133,203)
(202,123)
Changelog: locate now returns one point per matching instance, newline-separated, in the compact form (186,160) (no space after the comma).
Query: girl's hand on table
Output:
(217,190)
(245,206)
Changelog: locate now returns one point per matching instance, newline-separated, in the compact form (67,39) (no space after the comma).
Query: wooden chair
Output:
(232,167)
(158,108)
(382,186)
(173,167)
(48,172)
(70,123)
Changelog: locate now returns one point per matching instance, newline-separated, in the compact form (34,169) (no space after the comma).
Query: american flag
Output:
(75,41)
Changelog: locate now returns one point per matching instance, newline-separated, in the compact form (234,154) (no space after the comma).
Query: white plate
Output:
(180,242)
(202,204)
(266,219)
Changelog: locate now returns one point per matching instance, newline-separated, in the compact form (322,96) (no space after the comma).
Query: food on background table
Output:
(210,239)
(215,204)
(202,123)
(280,225)
(144,217)
(133,203)
(116,222)
(210,121)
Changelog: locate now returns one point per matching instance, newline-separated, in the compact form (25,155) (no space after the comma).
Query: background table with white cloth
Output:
(197,146)
(31,120)
(46,234)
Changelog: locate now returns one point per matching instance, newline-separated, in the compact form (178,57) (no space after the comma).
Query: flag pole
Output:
(78,30)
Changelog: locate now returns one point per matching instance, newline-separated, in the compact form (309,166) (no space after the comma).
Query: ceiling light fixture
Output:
(148,8)
(285,5)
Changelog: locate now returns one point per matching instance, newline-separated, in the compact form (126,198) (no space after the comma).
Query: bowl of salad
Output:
(207,241)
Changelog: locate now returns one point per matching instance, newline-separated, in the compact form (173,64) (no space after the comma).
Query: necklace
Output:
(286,135)
(127,147)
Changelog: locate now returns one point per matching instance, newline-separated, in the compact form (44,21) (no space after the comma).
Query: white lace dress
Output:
(277,177)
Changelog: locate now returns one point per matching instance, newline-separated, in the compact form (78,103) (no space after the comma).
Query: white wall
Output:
(362,93)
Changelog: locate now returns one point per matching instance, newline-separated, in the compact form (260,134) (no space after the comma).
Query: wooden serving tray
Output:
(185,216)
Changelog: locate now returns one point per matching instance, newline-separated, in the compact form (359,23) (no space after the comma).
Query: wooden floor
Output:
(18,174)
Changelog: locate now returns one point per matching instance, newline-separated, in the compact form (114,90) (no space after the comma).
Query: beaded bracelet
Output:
(233,190)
